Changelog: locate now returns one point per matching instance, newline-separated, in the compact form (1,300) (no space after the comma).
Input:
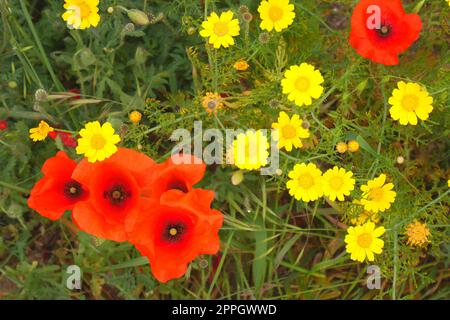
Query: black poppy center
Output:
(384,31)
(117,195)
(178,185)
(72,189)
(174,232)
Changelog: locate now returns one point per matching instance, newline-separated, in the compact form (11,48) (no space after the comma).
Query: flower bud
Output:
(341,147)
(12,84)
(264,38)
(243,9)
(353,146)
(138,17)
(40,95)
(237,178)
(247,17)
(129,27)
(141,55)
(191,31)
(135,117)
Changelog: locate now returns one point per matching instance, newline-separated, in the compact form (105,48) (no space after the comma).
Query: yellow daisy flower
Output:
(417,233)
(362,241)
(302,83)
(220,30)
(377,196)
(276,14)
(290,131)
(337,183)
(40,132)
(250,150)
(212,102)
(241,65)
(410,102)
(97,142)
(81,14)
(306,182)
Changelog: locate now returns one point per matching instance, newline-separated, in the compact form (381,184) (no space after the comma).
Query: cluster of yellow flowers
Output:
(275,14)
(307,183)
(97,142)
(301,84)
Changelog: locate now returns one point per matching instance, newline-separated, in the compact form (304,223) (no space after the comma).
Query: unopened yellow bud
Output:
(135,117)
(341,147)
(353,146)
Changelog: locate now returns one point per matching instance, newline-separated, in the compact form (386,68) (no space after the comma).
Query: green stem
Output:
(40,47)
(13,187)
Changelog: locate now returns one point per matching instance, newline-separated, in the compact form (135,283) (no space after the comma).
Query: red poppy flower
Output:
(57,191)
(179,172)
(396,32)
(175,231)
(3,125)
(115,186)
(66,138)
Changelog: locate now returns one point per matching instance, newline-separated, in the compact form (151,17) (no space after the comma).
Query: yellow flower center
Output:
(306,181)
(302,84)
(173,231)
(82,10)
(336,183)
(364,240)
(289,131)
(376,194)
(98,142)
(410,102)
(221,28)
(275,13)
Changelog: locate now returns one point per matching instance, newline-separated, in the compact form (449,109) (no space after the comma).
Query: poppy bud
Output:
(138,17)
(86,58)
(141,55)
